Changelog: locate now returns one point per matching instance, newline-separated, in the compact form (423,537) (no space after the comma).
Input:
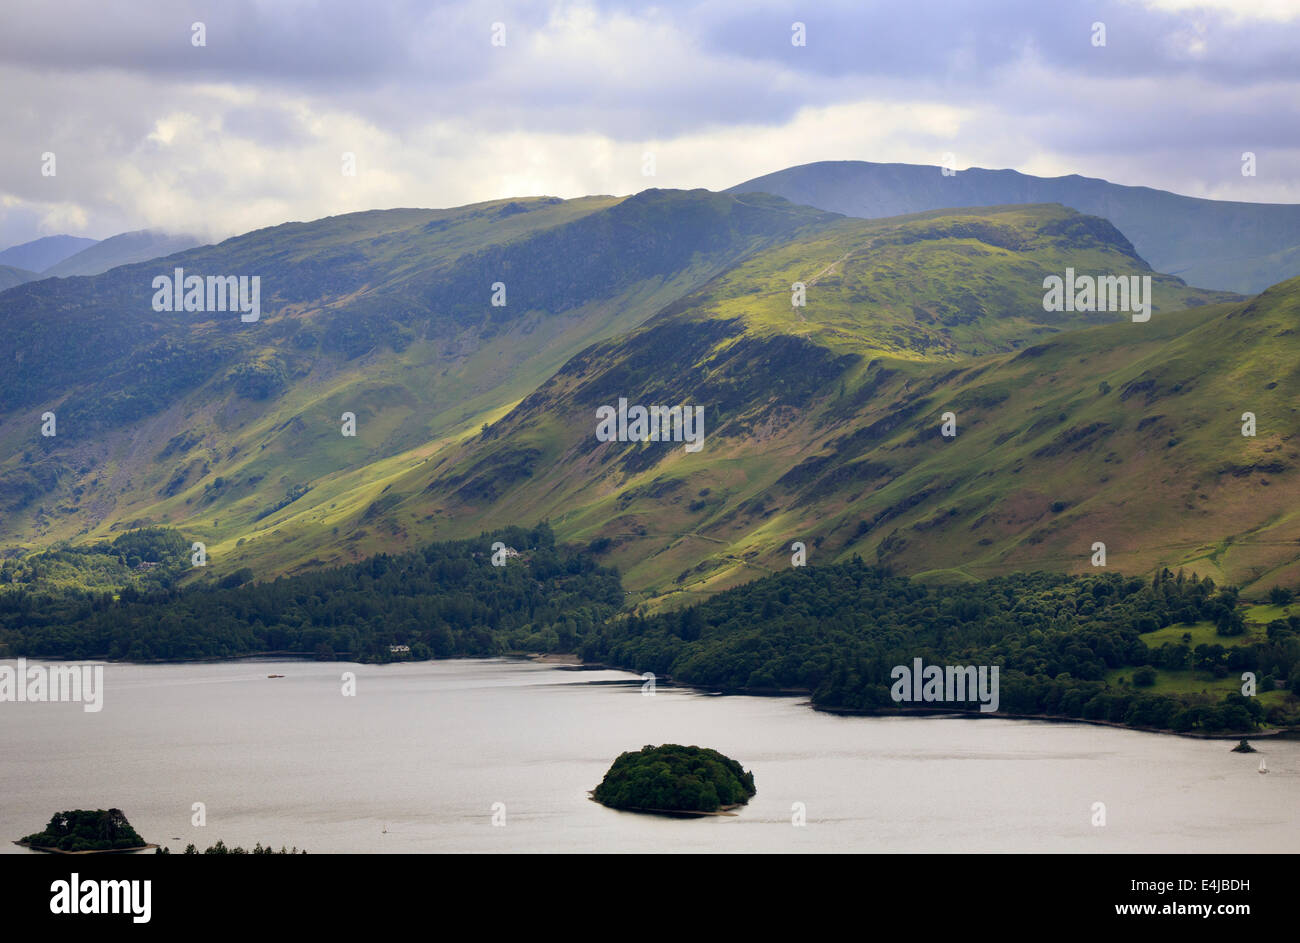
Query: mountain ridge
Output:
(39,254)
(1228,245)
(123,249)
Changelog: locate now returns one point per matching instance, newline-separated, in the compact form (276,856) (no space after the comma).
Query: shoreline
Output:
(554,658)
(671,813)
(92,851)
(573,661)
(1279,733)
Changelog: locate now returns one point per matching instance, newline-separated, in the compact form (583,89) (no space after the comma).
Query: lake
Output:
(426,750)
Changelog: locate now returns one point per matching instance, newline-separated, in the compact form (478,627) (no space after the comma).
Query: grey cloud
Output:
(91,81)
(968,43)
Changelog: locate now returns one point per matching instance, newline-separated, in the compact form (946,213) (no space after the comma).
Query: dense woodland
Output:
(838,631)
(443,601)
(835,632)
(150,559)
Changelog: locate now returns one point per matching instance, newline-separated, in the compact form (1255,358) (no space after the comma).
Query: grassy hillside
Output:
(229,430)
(823,423)
(822,420)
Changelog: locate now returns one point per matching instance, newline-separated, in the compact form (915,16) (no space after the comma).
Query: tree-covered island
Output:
(82,831)
(676,780)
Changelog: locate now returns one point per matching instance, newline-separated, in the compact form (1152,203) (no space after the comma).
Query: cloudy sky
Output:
(149,129)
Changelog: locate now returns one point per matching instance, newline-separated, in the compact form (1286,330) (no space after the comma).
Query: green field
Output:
(1202,633)
(1191,682)
(1262,615)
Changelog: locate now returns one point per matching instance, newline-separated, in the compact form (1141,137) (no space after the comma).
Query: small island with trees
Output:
(82,831)
(675,780)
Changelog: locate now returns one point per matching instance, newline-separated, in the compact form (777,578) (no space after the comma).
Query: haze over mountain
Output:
(122,249)
(1243,247)
(39,254)
(11,276)
(73,255)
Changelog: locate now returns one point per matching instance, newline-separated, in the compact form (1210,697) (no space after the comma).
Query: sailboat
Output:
(1263,767)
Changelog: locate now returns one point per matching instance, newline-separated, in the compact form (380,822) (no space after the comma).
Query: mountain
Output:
(40,254)
(202,419)
(11,276)
(122,249)
(822,420)
(1242,247)
(824,423)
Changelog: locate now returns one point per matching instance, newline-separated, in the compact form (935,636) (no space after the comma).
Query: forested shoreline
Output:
(839,631)
(1104,648)
(444,600)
